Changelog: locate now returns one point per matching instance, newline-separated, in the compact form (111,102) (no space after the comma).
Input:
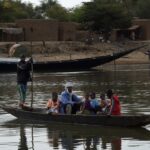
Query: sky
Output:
(64,3)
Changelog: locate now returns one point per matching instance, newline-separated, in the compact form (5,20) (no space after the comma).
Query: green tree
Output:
(6,11)
(10,10)
(104,15)
(52,9)
(130,6)
(61,14)
(76,14)
(143,9)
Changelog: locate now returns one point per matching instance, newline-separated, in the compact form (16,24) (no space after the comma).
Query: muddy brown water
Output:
(130,82)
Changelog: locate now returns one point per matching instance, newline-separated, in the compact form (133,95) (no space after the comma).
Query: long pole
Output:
(31,78)
(32,139)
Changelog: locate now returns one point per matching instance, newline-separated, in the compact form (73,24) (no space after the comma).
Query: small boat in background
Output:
(41,115)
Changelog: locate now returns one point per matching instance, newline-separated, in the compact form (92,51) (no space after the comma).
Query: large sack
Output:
(17,49)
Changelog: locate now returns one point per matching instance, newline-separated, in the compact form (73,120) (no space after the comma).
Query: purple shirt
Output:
(87,105)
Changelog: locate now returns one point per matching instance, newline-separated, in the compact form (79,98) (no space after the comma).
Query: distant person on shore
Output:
(115,108)
(70,102)
(23,76)
(133,35)
(53,104)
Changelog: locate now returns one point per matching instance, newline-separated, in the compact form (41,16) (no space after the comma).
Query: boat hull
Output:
(67,65)
(40,115)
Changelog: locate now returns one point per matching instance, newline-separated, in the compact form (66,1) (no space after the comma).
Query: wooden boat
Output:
(67,65)
(41,115)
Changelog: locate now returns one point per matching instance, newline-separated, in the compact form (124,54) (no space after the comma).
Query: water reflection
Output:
(91,143)
(93,138)
(70,137)
(53,139)
(23,140)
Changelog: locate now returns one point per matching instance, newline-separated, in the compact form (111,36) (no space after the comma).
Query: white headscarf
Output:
(68,84)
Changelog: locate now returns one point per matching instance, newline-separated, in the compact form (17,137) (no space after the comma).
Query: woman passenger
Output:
(115,108)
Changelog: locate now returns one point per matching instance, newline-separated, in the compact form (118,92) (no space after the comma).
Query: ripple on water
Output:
(131,84)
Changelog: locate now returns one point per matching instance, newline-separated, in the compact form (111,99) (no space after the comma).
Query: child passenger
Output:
(86,106)
(95,106)
(104,103)
(53,104)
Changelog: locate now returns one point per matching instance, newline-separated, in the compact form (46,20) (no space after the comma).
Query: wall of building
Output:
(9,32)
(39,30)
(82,35)
(113,36)
(67,31)
(52,30)
(7,25)
(145,28)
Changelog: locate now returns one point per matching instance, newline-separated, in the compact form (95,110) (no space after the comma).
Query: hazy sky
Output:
(64,3)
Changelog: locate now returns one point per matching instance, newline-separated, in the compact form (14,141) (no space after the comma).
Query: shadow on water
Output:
(71,136)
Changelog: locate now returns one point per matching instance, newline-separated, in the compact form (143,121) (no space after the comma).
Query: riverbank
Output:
(50,51)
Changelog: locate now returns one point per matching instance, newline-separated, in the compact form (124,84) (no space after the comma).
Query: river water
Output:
(131,83)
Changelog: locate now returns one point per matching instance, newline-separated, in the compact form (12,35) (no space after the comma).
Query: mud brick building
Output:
(39,29)
(82,35)
(53,30)
(9,32)
(140,30)
(42,30)
(144,24)
(67,31)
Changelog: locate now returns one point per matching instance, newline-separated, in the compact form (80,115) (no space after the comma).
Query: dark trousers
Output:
(74,108)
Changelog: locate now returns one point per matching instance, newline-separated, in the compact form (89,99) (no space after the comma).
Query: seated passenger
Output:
(95,106)
(86,106)
(70,103)
(104,104)
(53,104)
(115,108)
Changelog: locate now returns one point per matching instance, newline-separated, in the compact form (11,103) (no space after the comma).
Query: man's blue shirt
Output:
(69,98)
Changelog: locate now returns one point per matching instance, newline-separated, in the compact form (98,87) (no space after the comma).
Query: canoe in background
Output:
(66,65)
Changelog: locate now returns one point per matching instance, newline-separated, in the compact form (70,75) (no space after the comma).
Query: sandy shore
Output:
(75,50)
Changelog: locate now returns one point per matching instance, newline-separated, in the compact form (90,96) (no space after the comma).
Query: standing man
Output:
(23,76)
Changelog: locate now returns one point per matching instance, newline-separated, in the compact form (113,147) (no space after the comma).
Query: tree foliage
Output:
(96,15)
(10,10)
(104,15)
(143,9)
(76,14)
(52,9)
